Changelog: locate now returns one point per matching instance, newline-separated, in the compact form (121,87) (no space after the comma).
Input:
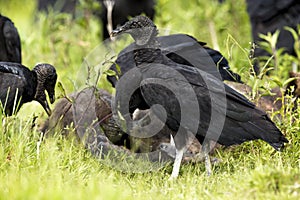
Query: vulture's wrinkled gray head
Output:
(46,80)
(141,29)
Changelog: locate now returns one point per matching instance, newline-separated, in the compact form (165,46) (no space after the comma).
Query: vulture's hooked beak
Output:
(46,104)
(46,107)
(117,31)
(52,99)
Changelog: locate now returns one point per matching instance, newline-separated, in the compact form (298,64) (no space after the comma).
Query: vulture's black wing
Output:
(10,39)
(13,84)
(182,49)
(243,121)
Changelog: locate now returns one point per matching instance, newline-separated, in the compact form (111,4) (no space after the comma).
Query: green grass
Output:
(57,168)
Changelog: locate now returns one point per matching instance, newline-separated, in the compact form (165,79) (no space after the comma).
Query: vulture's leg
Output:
(177,162)
(205,150)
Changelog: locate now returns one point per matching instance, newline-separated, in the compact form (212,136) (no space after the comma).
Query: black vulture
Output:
(122,9)
(271,15)
(188,100)
(19,85)
(176,47)
(10,45)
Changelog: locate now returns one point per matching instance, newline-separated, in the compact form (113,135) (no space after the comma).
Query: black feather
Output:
(10,45)
(182,49)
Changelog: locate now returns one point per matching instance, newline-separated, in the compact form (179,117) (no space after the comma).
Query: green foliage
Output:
(56,168)
(279,62)
(297,42)
(274,71)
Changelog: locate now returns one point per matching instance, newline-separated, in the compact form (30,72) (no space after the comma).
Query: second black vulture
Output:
(10,45)
(19,85)
(188,100)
